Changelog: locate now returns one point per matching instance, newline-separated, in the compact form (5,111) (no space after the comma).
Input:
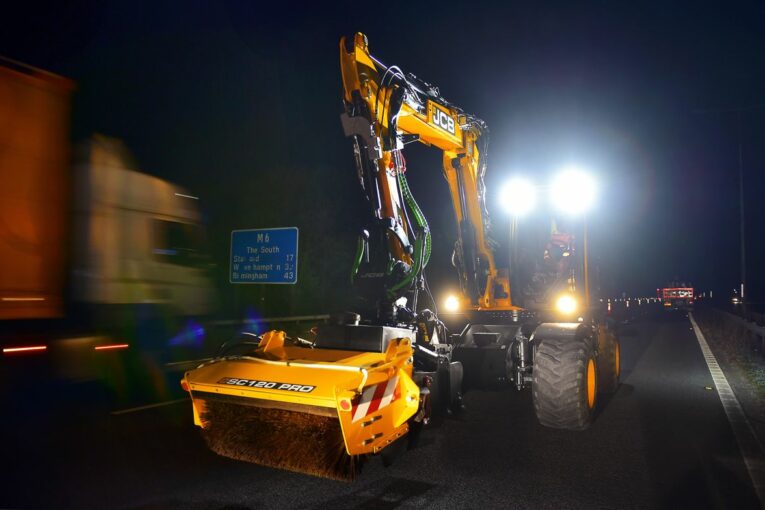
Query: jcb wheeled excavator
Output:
(361,385)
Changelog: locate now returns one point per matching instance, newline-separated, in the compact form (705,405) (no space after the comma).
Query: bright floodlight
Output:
(518,196)
(566,304)
(452,304)
(573,191)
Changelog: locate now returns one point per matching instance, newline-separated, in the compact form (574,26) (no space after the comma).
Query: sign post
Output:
(267,255)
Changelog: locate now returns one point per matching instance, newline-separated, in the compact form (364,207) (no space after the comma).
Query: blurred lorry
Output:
(93,249)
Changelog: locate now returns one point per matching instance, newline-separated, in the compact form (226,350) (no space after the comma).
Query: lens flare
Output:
(518,196)
(573,191)
(566,304)
(452,304)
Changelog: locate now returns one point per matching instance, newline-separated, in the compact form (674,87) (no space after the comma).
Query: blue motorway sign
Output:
(266,255)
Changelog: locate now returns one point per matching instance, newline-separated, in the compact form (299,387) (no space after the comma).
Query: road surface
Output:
(662,441)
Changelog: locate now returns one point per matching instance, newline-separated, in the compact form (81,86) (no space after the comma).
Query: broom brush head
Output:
(278,438)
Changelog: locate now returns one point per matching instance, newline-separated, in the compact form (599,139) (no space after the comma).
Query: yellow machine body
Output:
(333,383)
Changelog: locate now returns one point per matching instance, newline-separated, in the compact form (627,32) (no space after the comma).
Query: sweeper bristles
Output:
(291,440)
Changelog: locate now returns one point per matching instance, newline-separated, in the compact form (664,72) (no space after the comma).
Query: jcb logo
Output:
(443,120)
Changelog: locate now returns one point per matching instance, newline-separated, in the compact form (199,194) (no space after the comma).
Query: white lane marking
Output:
(748,443)
(150,406)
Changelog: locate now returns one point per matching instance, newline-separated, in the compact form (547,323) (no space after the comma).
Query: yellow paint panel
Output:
(336,377)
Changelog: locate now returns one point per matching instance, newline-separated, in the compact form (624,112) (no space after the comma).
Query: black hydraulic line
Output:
(467,238)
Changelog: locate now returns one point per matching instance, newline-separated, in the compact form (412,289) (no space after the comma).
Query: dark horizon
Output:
(230,98)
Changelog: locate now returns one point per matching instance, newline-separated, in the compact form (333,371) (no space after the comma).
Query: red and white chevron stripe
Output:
(375,397)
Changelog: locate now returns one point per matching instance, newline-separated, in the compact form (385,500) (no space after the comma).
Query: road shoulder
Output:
(739,399)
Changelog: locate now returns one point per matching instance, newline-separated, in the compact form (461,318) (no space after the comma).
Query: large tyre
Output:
(609,360)
(564,384)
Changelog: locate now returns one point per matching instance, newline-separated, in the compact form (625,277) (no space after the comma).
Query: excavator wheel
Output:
(565,380)
(609,360)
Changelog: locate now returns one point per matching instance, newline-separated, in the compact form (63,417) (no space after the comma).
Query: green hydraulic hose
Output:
(422,245)
(357,259)
(419,217)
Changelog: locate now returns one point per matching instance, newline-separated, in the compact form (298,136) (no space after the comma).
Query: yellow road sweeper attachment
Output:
(305,409)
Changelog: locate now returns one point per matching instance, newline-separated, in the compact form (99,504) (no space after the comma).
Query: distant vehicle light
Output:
(518,196)
(566,304)
(23,298)
(452,304)
(110,347)
(29,348)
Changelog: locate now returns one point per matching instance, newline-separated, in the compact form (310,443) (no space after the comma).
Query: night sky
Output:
(239,102)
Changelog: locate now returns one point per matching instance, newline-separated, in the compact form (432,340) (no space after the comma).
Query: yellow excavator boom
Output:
(383,109)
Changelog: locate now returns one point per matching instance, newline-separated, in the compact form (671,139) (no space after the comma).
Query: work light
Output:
(452,304)
(573,191)
(566,304)
(518,196)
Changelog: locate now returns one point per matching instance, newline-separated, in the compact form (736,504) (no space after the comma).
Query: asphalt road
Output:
(662,441)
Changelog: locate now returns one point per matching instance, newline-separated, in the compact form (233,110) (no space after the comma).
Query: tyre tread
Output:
(558,386)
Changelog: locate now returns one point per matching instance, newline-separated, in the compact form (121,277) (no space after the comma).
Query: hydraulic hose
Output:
(357,259)
(419,217)
(423,243)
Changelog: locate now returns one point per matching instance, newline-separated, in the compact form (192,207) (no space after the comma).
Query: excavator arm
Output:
(384,110)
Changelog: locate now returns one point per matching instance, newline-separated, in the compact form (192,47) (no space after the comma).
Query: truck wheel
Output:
(565,381)
(609,360)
